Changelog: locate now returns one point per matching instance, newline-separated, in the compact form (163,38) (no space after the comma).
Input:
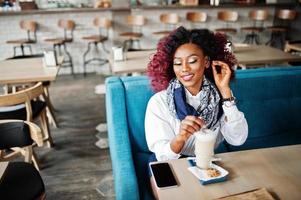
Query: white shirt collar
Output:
(192,100)
(189,95)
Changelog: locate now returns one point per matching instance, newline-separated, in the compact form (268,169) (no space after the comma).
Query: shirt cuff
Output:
(168,153)
(232,113)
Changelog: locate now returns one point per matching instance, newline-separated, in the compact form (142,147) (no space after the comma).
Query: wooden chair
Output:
(46,85)
(136,22)
(30,27)
(278,32)
(196,19)
(19,137)
(227,17)
(21,180)
(103,25)
(50,108)
(170,21)
(68,26)
(258,17)
(12,107)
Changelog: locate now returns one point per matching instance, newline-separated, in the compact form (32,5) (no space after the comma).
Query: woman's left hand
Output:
(222,79)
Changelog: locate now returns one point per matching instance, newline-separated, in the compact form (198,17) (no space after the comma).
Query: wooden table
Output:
(246,55)
(26,70)
(136,62)
(278,169)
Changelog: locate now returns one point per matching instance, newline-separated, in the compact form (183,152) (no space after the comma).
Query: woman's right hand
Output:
(189,126)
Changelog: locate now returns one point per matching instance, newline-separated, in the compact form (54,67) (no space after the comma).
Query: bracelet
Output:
(229,99)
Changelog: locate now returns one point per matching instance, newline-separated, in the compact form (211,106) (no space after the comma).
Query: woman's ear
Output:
(207,62)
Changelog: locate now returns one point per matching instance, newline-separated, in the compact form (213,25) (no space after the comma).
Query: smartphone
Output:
(163,175)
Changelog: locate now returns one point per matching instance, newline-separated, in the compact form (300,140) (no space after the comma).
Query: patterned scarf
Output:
(209,108)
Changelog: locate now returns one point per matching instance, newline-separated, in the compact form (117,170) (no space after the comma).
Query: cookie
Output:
(211,172)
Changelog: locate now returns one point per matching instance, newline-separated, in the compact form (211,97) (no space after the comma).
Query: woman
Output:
(190,72)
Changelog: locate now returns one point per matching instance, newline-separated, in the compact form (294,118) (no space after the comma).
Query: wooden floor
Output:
(75,167)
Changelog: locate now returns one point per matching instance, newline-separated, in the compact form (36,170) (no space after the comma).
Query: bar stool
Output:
(258,17)
(31,28)
(196,18)
(227,17)
(170,21)
(136,22)
(68,26)
(103,25)
(278,32)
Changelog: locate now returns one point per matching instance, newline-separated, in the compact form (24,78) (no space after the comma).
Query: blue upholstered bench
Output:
(269,97)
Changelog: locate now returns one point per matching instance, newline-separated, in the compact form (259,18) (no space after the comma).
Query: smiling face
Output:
(189,64)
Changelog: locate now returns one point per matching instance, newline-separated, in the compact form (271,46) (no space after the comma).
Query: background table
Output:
(278,169)
(26,70)
(261,54)
(248,56)
(136,62)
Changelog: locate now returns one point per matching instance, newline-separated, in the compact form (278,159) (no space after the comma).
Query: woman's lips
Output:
(187,77)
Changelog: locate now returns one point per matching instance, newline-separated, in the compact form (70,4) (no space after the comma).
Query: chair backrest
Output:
(68,26)
(196,17)
(31,28)
(14,134)
(136,20)
(286,14)
(258,15)
(227,16)
(271,101)
(131,102)
(24,126)
(170,18)
(23,97)
(29,25)
(103,24)
(19,136)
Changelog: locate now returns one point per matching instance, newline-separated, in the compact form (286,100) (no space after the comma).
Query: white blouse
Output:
(161,127)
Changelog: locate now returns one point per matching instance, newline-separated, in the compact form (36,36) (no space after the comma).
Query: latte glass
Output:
(204,147)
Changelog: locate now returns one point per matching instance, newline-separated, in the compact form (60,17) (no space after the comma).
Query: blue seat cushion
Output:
(141,167)
(37,107)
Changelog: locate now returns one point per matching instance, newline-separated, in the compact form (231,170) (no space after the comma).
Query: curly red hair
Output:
(160,68)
